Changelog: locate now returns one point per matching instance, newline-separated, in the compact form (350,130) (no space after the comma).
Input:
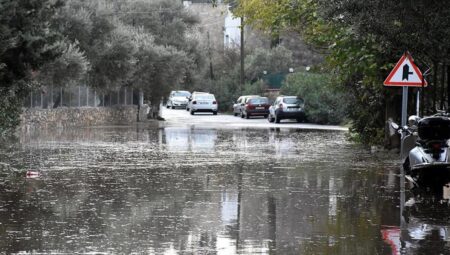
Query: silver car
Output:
(178,99)
(203,103)
(287,107)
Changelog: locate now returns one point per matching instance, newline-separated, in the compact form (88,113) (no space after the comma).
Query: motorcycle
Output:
(425,149)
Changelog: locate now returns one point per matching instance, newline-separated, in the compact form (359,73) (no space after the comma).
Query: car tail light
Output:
(214,102)
(436,146)
(194,102)
(249,106)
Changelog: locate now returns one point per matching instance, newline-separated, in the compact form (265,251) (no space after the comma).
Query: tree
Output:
(158,68)
(362,41)
(67,69)
(272,61)
(26,44)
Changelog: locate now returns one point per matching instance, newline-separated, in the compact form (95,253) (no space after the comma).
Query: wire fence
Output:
(79,96)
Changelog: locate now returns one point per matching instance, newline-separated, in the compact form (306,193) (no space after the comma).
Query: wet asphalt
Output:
(207,184)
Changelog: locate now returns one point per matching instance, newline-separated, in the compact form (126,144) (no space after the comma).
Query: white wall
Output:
(232,31)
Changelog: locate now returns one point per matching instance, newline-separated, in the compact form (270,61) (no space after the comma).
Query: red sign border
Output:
(388,81)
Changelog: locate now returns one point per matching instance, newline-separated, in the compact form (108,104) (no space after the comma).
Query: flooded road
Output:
(173,188)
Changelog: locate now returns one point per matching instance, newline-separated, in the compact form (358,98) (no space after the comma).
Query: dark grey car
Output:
(287,107)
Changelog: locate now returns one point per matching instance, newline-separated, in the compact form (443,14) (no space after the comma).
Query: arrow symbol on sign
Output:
(406,72)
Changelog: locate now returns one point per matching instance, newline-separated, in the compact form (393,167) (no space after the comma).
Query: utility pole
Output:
(211,73)
(242,54)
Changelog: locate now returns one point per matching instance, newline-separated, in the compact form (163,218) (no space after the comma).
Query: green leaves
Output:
(275,60)
(24,49)
(324,104)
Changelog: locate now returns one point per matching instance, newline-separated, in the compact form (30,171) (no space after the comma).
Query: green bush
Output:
(323,103)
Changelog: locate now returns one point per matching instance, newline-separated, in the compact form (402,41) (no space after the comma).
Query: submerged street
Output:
(208,184)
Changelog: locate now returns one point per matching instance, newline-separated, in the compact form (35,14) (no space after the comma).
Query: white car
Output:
(190,98)
(178,98)
(203,103)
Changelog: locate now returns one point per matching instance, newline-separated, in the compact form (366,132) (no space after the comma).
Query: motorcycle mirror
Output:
(394,125)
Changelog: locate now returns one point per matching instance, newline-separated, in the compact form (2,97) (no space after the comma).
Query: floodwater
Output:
(189,190)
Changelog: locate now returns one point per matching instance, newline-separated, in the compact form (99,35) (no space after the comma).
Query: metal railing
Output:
(79,96)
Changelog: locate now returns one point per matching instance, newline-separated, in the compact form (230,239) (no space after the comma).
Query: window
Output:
(292,100)
(259,100)
(181,94)
(204,97)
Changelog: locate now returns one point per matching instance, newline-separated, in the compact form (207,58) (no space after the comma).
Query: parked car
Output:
(256,106)
(202,102)
(178,98)
(240,102)
(287,107)
(190,98)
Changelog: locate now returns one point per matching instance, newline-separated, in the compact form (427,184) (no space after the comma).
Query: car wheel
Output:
(167,106)
(235,114)
(277,118)
(242,115)
(192,112)
(214,113)
(299,120)
(173,107)
(270,119)
(247,116)
(187,109)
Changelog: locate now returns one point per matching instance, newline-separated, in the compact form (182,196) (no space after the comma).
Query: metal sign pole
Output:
(402,171)
(404,105)
(418,103)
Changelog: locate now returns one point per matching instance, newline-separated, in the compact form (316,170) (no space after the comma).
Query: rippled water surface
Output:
(188,190)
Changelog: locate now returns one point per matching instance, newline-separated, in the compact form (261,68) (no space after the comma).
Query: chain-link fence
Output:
(79,96)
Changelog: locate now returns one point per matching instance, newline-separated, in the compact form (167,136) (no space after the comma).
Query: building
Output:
(232,30)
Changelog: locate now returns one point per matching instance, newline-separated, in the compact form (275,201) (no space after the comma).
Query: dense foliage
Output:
(26,43)
(106,45)
(140,44)
(324,104)
(362,41)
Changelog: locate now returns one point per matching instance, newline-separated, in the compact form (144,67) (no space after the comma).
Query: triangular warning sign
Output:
(405,73)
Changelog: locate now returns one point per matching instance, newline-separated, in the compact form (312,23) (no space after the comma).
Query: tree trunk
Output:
(435,84)
(138,113)
(448,87)
(155,112)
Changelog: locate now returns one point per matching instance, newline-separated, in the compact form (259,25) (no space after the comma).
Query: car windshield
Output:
(204,97)
(292,100)
(259,100)
(181,94)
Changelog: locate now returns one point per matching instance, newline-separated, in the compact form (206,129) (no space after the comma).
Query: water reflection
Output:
(424,222)
(174,190)
(179,139)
